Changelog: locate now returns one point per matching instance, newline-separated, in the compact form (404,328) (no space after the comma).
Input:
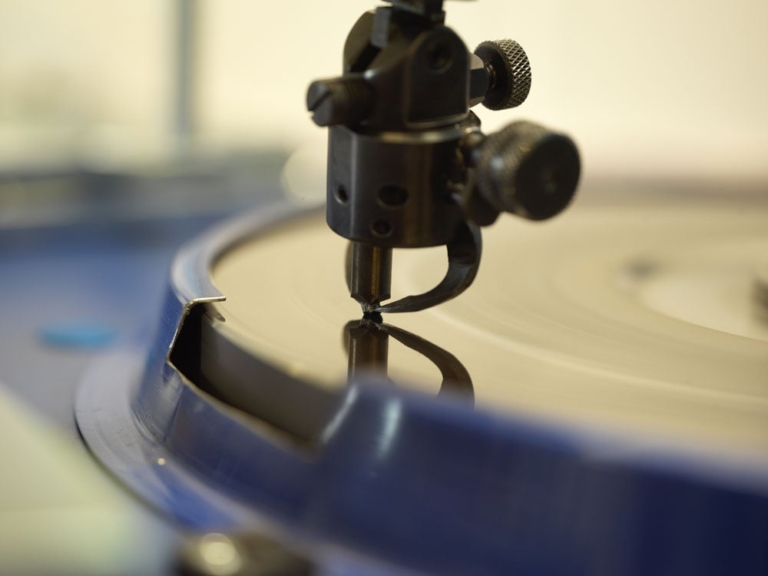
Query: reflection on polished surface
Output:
(367,344)
(556,325)
(296,405)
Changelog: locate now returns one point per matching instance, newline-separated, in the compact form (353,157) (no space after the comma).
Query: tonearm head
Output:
(408,165)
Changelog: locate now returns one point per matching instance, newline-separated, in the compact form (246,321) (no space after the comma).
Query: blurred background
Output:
(674,87)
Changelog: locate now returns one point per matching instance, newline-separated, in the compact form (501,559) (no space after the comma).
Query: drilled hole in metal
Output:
(439,57)
(393,196)
(341,194)
(381,228)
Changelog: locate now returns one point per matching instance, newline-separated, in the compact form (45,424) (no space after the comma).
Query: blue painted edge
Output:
(429,484)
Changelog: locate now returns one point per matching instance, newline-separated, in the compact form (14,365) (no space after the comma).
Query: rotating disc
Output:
(639,319)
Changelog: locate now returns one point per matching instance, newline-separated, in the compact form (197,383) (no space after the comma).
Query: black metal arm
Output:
(408,165)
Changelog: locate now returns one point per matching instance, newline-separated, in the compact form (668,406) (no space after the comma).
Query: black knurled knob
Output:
(509,73)
(528,170)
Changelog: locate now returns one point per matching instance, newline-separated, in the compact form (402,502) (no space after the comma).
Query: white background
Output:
(675,87)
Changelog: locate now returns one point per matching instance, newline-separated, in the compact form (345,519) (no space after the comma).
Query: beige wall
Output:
(673,87)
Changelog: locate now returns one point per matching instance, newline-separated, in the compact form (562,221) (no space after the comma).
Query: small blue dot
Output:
(77,335)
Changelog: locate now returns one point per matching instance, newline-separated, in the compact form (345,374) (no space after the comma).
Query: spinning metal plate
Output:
(638,319)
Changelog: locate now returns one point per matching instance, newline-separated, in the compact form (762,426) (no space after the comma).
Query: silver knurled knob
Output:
(509,73)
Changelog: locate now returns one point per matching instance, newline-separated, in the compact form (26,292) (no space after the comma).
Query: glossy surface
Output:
(583,320)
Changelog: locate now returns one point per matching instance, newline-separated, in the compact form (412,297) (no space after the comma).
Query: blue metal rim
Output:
(429,484)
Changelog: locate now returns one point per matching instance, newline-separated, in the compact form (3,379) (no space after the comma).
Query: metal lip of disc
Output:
(399,476)
(131,405)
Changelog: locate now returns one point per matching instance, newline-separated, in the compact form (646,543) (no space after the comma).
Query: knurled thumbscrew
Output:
(509,73)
